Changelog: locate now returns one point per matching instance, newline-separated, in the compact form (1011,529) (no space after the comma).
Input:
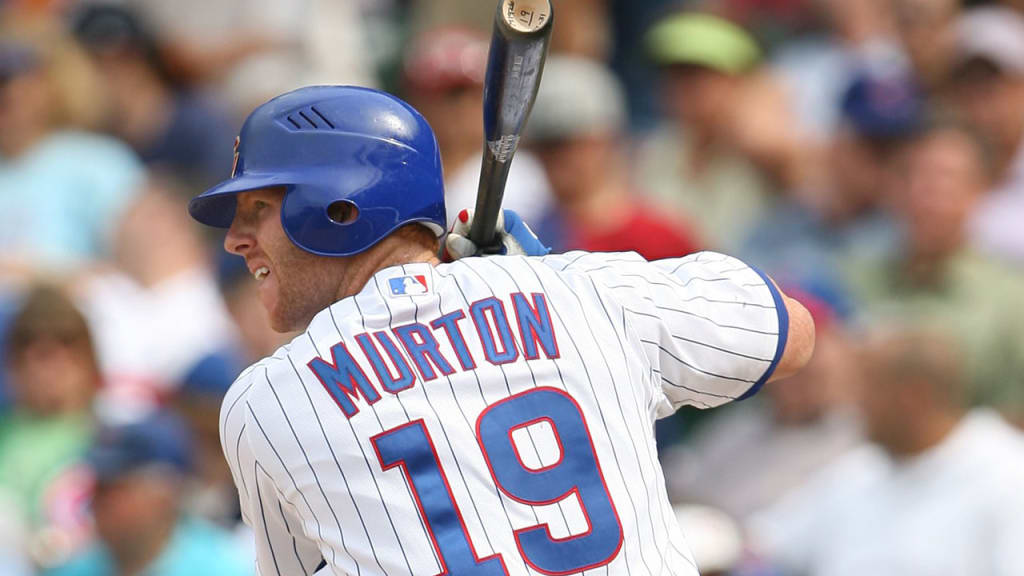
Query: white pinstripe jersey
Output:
(493,416)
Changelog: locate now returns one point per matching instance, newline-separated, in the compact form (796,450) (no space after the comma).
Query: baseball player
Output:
(484,417)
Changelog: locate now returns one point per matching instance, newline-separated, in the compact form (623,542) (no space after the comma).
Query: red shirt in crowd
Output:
(644,230)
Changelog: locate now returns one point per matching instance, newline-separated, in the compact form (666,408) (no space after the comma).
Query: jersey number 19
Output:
(576,472)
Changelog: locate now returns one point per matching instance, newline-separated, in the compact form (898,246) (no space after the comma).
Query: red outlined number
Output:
(575,475)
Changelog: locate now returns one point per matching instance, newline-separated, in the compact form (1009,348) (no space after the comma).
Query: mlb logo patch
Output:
(408,285)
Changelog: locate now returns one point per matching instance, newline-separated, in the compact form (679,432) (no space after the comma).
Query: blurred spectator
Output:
(882,110)
(867,25)
(989,90)
(576,130)
(714,538)
(256,337)
(784,436)
(816,67)
(773,20)
(927,31)
(937,493)
(13,560)
(54,375)
(212,493)
(177,133)
(629,21)
(8,297)
(443,79)
(160,313)
(247,51)
(61,190)
(765,131)
(582,25)
(583,29)
(141,470)
(694,164)
(935,274)
(463,14)
(843,216)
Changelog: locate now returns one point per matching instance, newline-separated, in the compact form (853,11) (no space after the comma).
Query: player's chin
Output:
(283,324)
(279,318)
(284,319)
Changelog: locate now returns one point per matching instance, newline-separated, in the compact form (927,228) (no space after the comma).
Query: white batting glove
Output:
(516,238)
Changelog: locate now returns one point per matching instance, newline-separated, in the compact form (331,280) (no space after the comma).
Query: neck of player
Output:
(408,245)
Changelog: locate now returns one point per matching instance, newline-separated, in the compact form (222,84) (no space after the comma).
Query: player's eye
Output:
(249,211)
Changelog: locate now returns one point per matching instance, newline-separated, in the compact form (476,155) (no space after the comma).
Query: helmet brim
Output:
(216,206)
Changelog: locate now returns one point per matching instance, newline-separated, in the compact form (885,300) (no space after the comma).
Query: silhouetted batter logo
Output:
(408,285)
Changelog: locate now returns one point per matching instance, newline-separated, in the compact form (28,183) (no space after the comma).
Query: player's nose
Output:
(239,239)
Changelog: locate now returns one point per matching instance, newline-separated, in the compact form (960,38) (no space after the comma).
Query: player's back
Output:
(487,417)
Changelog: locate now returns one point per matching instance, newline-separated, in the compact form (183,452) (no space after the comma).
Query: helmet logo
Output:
(234,162)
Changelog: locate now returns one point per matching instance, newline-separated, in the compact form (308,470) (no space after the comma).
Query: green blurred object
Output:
(34,451)
(976,299)
(690,38)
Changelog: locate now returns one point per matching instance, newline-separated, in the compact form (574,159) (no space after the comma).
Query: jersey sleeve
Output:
(281,547)
(712,328)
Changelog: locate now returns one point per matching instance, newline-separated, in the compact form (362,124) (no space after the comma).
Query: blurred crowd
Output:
(868,155)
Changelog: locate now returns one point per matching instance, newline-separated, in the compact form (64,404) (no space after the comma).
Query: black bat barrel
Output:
(519,45)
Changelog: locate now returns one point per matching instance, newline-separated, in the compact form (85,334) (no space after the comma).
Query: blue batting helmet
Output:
(330,144)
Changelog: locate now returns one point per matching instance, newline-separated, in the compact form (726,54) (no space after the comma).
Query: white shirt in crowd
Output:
(527,192)
(995,227)
(139,363)
(956,509)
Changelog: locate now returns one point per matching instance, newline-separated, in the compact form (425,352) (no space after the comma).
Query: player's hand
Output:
(516,238)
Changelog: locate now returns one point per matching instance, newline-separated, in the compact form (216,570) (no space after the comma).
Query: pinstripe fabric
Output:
(635,340)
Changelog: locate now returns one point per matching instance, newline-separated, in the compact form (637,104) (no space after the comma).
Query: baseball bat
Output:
(519,45)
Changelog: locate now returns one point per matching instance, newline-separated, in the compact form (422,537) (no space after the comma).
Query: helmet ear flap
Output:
(336,228)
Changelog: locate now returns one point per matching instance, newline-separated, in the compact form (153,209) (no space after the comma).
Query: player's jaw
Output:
(293,285)
(298,286)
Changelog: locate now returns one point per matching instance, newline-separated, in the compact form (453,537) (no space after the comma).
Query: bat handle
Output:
(483,230)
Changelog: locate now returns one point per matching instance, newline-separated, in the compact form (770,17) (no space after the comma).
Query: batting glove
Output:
(516,238)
